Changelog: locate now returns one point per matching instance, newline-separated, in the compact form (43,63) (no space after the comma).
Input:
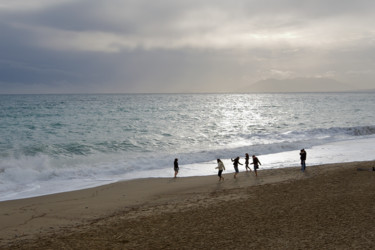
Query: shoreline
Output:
(63,215)
(347,150)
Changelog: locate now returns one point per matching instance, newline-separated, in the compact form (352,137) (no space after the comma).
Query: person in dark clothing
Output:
(176,168)
(303,155)
(247,162)
(256,163)
(236,161)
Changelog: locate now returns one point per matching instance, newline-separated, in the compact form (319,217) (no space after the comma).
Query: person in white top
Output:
(220,167)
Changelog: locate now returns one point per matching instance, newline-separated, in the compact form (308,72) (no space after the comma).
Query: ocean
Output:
(57,143)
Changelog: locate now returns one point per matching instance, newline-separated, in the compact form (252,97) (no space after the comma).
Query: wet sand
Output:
(326,207)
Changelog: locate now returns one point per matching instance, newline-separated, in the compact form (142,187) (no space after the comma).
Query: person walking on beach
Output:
(220,167)
(236,161)
(303,155)
(176,168)
(247,162)
(256,163)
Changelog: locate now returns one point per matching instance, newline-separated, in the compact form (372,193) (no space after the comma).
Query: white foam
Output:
(42,179)
(335,152)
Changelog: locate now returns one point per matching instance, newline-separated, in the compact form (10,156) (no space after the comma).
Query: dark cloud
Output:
(181,46)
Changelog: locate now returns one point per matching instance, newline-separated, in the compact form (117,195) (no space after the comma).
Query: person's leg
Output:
(303,166)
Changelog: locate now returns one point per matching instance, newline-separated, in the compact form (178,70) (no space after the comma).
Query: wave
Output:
(260,142)
(334,131)
(359,131)
(28,175)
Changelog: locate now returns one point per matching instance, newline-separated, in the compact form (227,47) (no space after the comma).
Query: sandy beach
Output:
(326,207)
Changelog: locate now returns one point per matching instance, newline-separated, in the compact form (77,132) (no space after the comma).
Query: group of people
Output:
(221,167)
(236,162)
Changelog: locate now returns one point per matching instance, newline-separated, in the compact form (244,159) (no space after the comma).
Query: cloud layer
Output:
(86,46)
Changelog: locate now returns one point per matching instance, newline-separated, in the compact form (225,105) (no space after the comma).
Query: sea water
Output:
(56,143)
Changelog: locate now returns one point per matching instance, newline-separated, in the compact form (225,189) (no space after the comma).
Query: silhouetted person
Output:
(303,155)
(236,161)
(176,168)
(256,163)
(247,162)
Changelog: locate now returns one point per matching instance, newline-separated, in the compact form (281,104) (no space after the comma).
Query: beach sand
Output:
(326,207)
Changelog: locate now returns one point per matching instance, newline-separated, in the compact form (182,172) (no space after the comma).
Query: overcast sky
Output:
(112,46)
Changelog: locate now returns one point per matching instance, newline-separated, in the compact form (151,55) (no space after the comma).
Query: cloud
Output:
(29,5)
(192,45)
(114,25)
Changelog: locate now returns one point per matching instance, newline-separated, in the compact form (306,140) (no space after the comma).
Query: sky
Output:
(174,46)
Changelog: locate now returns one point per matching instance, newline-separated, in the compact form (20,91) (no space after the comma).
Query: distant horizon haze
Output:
(294,85)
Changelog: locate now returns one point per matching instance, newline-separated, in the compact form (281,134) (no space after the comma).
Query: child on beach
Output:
(247,162)
(256,163)
(236,161)
(176,168)
(220,167)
